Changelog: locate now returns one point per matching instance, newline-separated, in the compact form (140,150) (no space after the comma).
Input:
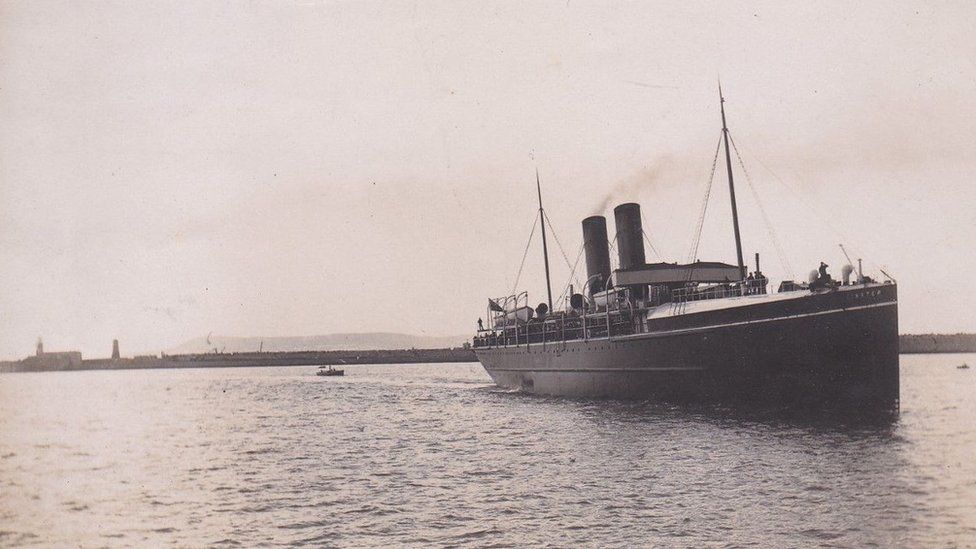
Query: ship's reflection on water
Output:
(436,455)
(779,476)
(731,415)
(836,475)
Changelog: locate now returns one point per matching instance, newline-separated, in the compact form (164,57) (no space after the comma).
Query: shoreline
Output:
(936,343)
(254,359)
(908,344)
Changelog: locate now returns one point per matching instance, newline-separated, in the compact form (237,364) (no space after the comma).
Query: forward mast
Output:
(728,166)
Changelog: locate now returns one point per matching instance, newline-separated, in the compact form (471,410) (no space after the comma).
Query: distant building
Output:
(68,360)
(115,349)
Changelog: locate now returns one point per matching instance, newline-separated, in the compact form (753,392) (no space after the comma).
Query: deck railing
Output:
(681,296)
(718,291)
(558,329)
(561,327)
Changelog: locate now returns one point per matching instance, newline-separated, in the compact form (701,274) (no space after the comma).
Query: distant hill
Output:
(330,342)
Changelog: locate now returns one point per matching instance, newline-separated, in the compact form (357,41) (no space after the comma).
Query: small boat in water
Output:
(963,366)
(329,371)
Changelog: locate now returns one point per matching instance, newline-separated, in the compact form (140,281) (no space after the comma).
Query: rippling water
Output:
(433,454)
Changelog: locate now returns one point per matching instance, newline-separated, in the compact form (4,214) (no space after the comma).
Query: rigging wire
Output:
(704,207)
(648,238)
(558,243)
(811,207)
(611,247)
(572,277)
(524,254)
(783,261)
(562,251)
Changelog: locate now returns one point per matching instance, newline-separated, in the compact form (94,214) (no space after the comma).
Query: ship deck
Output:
(692,316)
(700,306)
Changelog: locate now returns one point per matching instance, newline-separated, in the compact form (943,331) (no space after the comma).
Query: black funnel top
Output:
(597,249)
(630,235)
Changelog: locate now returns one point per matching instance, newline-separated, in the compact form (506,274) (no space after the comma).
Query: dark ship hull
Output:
(833,348)
(701,332)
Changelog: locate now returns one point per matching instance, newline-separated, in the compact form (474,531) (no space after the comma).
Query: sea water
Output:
(433,454)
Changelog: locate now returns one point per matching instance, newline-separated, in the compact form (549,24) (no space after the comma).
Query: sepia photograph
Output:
(360,273)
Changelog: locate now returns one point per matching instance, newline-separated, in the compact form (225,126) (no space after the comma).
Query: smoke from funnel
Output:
(628,188)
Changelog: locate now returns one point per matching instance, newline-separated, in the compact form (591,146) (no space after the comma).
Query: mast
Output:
(545,248)
(728,166)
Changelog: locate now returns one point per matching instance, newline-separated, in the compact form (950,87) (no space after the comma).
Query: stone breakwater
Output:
(229,360)
(937,343)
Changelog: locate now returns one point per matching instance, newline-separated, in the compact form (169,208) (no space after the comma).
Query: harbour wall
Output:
(937,343)
(908,344)
(235,360)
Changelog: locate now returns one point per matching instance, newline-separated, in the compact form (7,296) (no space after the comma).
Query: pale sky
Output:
(173,169)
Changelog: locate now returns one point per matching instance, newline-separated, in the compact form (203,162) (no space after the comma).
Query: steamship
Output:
(698,332)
